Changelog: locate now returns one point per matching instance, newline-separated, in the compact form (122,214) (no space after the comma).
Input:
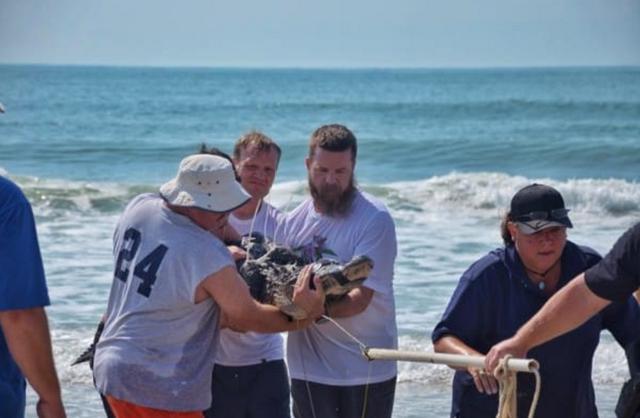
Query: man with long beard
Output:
(330,376)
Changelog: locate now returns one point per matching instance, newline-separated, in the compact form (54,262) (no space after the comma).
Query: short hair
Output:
(504,229)
(334,138)
(256,139)
(204,149)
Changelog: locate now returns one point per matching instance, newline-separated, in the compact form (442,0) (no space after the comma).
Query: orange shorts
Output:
(124,409)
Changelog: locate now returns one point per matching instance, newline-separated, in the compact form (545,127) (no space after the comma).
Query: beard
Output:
(330,200)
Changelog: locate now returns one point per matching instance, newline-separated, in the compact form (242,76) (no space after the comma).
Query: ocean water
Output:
(445,149)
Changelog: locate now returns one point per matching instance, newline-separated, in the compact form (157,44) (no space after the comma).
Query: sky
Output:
(325,34)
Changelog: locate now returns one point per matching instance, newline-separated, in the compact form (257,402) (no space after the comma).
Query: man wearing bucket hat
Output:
(173,275)
(505,288)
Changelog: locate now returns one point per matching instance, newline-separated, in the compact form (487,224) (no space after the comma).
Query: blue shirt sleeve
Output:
(470,310)
(22,280)
(622,319)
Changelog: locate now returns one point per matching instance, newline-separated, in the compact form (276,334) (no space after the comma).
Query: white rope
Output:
(536,394)
(365,398)
(284,209)
(267,215)
(362,345)
(507,406)
(306,383)
(508,386)
(505,373)
(253,221)
(363,348)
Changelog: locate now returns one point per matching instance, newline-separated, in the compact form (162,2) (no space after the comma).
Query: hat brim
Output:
(529,228)
(232,199)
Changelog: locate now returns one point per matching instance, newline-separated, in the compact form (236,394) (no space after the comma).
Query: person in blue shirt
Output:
(613,279)
(25,344)
(504,289)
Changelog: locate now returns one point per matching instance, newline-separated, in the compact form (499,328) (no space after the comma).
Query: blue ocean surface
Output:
(444,149)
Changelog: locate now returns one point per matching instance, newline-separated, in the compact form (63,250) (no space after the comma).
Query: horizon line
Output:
(313,67)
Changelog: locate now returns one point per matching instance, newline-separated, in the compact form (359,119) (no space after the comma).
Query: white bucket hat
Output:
(206,182)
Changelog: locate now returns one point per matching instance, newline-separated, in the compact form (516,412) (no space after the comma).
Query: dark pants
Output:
(315,400)
(257,391)
(107,409)
(12,394)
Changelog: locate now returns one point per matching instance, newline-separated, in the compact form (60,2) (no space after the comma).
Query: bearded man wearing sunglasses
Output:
(504,289)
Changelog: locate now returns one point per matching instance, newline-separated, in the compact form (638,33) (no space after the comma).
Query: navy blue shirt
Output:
(494,298)
(22,284)
(618,274)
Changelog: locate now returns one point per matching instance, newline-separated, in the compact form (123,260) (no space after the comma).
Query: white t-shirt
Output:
(158,344)
(248,348)
(322,353)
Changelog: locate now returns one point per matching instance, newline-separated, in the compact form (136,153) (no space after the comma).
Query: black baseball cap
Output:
(537,207)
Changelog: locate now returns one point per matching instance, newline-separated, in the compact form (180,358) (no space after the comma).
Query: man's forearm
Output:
(27,335)
(350,304)
(565,311)
(453,345)
(265,319)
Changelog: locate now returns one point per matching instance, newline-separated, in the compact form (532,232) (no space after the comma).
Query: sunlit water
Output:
(445,150)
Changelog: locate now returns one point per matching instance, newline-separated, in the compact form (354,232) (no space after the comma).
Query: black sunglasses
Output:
(543,215)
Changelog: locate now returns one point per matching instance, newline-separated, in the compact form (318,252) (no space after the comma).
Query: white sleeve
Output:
(378,242)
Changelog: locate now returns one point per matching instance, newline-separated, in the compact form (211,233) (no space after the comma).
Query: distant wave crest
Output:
(492,192)
(482,193)
(55,197)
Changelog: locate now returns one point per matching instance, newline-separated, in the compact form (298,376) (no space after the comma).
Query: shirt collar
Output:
(567,262)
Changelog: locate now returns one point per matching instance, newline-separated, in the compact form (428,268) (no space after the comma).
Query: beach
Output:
(444,149)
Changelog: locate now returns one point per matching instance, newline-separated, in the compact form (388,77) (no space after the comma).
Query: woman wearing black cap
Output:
(505,288)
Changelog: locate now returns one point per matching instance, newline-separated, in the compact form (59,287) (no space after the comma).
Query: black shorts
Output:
(256,391)
(327,401)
